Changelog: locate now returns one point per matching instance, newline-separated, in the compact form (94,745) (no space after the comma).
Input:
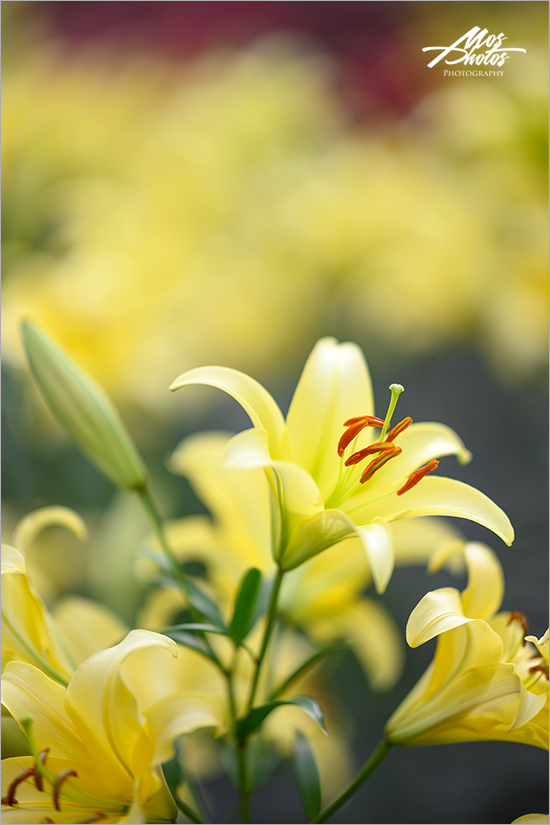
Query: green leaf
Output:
(254,719)
(244,614)
(204,604)
(189,640)
(196,627)
(307,776)
(337,647)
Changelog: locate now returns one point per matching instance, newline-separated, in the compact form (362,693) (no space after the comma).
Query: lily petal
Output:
(178,714)
(104,711)
(253,398)
(439,496)
(483,596)
(436,612)
(378,543)
(420,443)
(334,386)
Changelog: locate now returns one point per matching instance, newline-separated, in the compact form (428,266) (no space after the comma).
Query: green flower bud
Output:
(84,409)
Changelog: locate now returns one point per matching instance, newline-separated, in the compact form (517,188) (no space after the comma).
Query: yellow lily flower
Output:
(532,819)
(324,598)
(97,745)
(78,627)
(319,494)
(486,682)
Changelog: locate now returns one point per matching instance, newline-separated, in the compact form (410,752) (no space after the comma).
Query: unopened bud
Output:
(84,409)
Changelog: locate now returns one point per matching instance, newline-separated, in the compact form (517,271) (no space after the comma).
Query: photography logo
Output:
(475,48)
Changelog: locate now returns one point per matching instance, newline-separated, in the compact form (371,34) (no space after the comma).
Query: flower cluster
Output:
(305,513)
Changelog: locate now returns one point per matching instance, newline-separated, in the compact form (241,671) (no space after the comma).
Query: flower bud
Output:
(84,409)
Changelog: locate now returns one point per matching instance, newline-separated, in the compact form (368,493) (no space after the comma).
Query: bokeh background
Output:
(188,183)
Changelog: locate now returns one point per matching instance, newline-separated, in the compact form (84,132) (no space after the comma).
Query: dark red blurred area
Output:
(380,67)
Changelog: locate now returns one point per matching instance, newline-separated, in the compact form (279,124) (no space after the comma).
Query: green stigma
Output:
(396,390)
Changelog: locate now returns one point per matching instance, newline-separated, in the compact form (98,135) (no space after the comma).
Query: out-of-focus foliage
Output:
(159,214)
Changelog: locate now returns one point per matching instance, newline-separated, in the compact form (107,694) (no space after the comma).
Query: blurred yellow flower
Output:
(486,682)
(317,495)
(97,745)
(246,164)
(79,627)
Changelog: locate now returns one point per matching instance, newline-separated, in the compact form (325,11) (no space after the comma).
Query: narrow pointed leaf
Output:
(244,614)
(307,776)
(337,647)
(204,604)
(254,719)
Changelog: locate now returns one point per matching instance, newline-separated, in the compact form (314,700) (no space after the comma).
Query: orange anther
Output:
(543,669)
(61,777)
(379,462)
(355,425)
(370,421)
(377,447)
(417,476)
(10,799)
(399,428)
(516,616)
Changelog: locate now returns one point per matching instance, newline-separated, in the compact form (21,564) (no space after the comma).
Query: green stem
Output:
(271,614)
(244,790)
(179,575)
(369,766)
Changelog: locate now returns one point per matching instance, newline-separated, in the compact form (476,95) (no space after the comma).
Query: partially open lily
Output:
(97,745)
(488,680)
(330,476)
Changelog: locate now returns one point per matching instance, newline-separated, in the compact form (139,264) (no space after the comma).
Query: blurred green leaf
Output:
(254,719)
(307,776)
(244,615)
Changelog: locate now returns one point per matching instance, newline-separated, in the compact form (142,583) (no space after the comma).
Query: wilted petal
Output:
(253,398)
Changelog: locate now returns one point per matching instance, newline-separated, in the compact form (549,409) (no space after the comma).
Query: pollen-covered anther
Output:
(417,476)
(355,425)
(38,779)
(379,462)
(399,428)
(516,616)
(10,799)
(377,447)
(542,668)
(61,777)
